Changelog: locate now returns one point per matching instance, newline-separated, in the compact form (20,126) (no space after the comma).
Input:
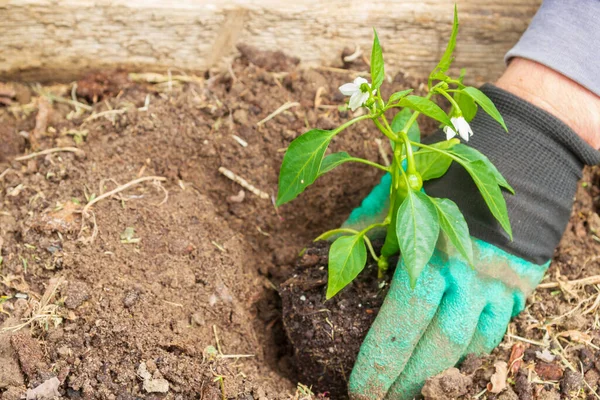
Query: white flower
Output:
(463,127)
(358,90)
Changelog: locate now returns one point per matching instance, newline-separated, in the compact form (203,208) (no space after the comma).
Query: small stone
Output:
(303,298)
(131,298)
(152,385)
(156,386)
(198,319)
(545,355)
(63,351)
(241,116)
(142,371)
(46,391)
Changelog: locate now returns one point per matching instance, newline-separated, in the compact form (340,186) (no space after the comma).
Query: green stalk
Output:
(371,163)
(450,99)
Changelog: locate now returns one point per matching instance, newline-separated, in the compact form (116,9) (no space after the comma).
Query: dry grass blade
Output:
(43,312)
(121,188)
(86,211)
(151,77)
(50,151)
(285,106)
(58,99)
(590,280)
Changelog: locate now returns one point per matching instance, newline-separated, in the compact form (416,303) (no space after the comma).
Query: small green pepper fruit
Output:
(415,181)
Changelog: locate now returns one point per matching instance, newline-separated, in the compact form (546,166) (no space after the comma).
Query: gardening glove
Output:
(455,309)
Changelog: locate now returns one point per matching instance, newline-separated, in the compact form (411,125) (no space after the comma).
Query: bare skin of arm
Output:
(570,102)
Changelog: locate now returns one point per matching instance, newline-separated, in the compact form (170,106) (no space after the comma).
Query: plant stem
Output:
(383,130)
(410,158)
(373,226)
(452,156)
(351,122)
(332,232)
(450,99)
(371,249)
(371,163)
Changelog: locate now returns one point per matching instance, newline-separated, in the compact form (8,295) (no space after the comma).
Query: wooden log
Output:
(62,39)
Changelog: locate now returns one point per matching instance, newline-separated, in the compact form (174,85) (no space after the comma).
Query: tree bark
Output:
(62,39)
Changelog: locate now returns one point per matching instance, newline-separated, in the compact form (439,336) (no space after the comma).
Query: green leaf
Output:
(301,163)
(347,257)
(470,154)
(485,103)
(333,160)
(490,191)
(398,95)
(447,58)
(426,107)
(431,164)
(467,105)
(455,227)
(417,228)
(377,71)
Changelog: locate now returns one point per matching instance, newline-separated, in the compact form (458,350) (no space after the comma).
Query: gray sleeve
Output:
(564,35)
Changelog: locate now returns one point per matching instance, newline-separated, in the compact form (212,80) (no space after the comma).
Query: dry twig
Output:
(50,151)
(285,106)
(590,280)
(243,183)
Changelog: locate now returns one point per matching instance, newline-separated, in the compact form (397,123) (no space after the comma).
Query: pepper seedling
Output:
(414,219)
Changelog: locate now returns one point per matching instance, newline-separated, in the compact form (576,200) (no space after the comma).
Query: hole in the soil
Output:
(278,350)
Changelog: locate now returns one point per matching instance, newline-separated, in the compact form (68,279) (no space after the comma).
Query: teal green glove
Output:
(454,310)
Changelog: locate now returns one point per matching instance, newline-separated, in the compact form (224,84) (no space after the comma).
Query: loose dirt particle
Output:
(10,371)
(30,354)
(549,371)
(508,394)
(65,220)
(76,294)
(522,386)
(449,384)
(571,383)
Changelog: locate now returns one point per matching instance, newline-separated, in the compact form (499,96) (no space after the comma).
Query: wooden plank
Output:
(61,39)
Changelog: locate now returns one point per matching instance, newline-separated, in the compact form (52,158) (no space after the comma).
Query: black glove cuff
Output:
(540,157)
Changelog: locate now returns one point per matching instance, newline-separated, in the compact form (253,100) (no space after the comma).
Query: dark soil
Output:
(188,298)
(326,336)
